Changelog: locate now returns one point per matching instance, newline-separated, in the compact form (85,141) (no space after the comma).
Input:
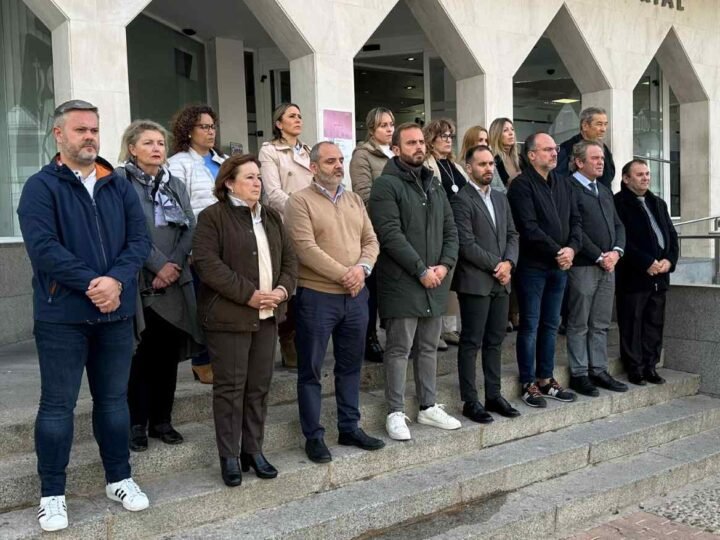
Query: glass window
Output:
(674,155)
(648,125)
(166,70)
(27,101)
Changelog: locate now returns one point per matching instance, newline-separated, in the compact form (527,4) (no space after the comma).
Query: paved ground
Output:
(644,526)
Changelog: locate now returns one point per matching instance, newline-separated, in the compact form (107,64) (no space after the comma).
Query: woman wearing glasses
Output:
(167,321)
(285,167)
(196,161)
(439,137)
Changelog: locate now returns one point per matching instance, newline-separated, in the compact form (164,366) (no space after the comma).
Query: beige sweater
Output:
(329,237)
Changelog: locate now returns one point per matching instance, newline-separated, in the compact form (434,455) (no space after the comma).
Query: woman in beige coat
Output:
(285,169)
(367,163)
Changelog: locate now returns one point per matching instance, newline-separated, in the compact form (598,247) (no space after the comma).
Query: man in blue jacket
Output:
(85,234)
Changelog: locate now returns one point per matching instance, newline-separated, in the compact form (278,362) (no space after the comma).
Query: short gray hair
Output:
(579,151)
(133,132)
(70,106)
(315,151)
(586,115)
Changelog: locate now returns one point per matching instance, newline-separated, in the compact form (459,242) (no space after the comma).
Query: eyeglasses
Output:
(207,127)
(447,136)
(74,105)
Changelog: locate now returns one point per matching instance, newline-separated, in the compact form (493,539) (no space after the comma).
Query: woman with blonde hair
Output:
(367,163)
(502,141)
(474,136)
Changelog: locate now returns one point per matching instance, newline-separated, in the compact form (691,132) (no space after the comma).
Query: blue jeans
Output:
(65,351)
(319,316)
(540,294)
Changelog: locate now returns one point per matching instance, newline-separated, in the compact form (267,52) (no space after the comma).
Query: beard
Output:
(82,154)
(413,159)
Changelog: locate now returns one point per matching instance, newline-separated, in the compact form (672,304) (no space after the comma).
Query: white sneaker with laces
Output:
(52,513)
(396,427)
(437,417)
(129,494)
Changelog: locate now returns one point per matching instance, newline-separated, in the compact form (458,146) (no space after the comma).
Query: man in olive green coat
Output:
(418,248)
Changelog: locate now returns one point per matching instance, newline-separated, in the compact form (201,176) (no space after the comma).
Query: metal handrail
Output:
(715,237)
(698,220)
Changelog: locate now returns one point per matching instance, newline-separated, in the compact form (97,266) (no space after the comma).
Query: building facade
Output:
(654,65)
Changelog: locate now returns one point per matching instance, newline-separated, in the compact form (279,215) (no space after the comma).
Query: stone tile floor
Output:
(644,526)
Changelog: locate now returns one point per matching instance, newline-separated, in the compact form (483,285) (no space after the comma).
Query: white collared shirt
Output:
(89,181)
(487,199)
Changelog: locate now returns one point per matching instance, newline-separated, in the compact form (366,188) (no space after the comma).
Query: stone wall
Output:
(15,293)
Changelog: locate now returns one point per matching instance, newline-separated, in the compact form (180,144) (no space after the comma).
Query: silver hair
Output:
(579,151)
(586,115)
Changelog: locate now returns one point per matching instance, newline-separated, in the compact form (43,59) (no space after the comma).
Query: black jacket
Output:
(563,164)
(641,246)
(602,228)
(546,216)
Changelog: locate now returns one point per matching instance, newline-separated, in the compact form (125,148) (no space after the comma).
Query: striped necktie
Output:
(653,223)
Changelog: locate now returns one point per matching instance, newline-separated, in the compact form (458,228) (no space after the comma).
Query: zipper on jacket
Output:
(53,288)
(97,226)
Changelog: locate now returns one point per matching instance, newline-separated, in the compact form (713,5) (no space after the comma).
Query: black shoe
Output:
(373,351)
(230,470)
(582,385)
(260,465)
(637,379)
(166,433)
(652,376)
(555,391)
(360,439)
(317,451)
(606,381)
(138,438)
(501,406)
(532,396)
(476,412)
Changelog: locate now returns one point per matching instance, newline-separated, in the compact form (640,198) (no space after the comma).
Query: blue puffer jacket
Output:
(72,239)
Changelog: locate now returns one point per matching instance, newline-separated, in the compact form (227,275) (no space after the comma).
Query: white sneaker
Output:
(129,494)
(52,513)
(396,427)
(437,417)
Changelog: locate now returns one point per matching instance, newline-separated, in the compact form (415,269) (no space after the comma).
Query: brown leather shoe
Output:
(203,373)
(289,354)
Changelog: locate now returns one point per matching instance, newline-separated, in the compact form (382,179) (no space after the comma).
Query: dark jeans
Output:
(64,352)
(320,316)
(540,293)
(641,320)
(153,376)
(203,358)
(484,328)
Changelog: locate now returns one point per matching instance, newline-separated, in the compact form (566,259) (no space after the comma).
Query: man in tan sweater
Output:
(336,248)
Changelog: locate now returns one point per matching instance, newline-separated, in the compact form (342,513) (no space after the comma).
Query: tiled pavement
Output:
(644,526)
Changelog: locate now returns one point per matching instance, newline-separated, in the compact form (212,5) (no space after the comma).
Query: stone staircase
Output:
(543,474)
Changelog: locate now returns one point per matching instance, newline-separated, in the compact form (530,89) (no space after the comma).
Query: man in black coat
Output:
(591,280)
(651,253)
(488,254)
(545,213)
(593,126)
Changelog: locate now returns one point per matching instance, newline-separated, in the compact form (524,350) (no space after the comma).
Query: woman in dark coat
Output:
(247,270)
(167,321)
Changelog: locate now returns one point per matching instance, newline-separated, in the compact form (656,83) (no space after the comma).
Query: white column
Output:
(228,67)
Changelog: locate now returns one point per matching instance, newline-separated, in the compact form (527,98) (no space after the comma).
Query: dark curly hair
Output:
(183,123)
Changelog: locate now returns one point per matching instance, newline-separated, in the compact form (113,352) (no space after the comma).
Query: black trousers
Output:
(371,284)
(484,327)
(153,375)
(641,319)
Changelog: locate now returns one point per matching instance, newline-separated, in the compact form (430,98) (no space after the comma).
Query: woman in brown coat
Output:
(247,270)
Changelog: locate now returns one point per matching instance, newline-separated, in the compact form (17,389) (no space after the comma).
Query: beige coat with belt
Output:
(284,172)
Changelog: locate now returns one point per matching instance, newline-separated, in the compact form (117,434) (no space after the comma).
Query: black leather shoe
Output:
(501,406)
(260,465)
(476,412)
(373,350)
(138,438)
(652,376)
(230,469)
(582,385)
(317,451)
(166,433)
(606,381)
(637,379)
(360,439)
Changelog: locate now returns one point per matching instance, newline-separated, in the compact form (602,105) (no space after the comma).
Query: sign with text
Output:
(671,4)
(338,128)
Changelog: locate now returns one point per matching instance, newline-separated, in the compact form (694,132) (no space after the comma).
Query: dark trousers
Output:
(64,352)
(153,376)
(242,365)
(371,284)
(540,293)
(641,318)
(484,328)
(320,316)
(286,329)
(203,358)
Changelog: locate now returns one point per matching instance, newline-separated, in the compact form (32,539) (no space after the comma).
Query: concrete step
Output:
(196,495)
(558,487)
(193,401)
(18,474)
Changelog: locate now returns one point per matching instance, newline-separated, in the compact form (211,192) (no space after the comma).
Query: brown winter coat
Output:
(367,163)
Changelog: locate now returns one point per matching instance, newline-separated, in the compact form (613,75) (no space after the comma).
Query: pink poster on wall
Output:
(337,125)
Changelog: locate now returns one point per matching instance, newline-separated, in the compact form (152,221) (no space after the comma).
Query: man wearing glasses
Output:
(86,238)
(546,215)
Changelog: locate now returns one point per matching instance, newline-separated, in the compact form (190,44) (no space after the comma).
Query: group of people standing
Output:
(217,258)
